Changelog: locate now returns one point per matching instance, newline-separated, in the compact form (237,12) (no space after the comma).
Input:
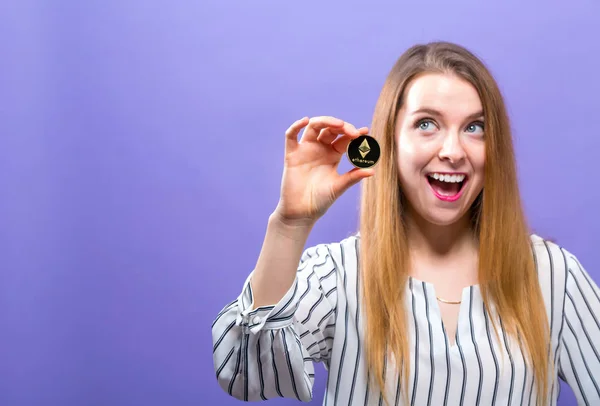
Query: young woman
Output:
(443,297)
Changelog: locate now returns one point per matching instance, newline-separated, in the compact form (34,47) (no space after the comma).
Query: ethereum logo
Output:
(364,148)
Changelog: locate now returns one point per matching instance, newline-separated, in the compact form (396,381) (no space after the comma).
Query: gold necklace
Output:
(447,301)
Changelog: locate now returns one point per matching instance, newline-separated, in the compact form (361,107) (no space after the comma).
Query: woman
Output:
(443,297)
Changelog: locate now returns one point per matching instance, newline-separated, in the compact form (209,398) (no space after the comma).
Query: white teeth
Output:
(448,178)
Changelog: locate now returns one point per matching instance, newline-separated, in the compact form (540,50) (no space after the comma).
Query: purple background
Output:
(141,152)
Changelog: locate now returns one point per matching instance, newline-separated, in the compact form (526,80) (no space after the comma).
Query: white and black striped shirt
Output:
(269,352)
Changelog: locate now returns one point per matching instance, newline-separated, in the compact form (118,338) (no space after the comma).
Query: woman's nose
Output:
(452,149)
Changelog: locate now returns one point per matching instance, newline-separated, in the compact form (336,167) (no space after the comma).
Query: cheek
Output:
(406,160)
(478,159)
(411,164)
(413,155)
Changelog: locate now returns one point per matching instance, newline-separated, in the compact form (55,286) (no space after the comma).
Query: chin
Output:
(444,221)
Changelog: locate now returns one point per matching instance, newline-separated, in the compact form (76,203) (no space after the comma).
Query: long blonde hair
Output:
(507,274)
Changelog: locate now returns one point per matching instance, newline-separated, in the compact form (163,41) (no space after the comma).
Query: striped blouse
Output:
(269,352)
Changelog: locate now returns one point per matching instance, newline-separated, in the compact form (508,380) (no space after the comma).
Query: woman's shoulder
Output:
(557,266)
(339,248)
(572,298)
(550,257)
(343,253)
(548,253)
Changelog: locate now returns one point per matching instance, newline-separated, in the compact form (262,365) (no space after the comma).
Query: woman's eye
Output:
(475,128)
(426,125)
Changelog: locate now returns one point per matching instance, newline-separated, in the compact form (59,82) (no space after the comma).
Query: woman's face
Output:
(440,147)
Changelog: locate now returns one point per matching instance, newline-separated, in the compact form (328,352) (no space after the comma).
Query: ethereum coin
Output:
(363,152)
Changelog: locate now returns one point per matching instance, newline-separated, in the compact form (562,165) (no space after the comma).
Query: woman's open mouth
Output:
(447,186)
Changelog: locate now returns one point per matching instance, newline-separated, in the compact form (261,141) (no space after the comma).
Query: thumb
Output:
(350,178)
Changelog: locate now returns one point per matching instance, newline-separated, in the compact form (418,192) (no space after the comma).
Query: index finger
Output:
(291,134)
(316,124)
(341,144)
(328,135)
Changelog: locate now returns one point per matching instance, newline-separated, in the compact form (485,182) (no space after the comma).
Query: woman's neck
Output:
(436,241)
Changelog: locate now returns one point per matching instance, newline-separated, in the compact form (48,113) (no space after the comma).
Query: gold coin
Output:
(363,152)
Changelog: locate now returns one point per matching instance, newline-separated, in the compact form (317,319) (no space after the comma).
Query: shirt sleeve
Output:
(269,352)
(579,363)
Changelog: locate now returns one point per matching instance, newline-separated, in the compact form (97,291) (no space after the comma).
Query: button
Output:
(256,320)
